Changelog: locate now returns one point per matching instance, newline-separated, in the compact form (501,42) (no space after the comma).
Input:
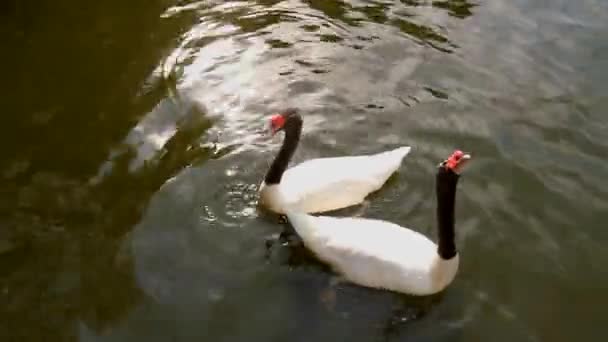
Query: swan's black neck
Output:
(445,188)
(293,129)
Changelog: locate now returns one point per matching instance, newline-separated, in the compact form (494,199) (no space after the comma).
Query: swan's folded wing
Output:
(325,184)
(373,237)
(370,252)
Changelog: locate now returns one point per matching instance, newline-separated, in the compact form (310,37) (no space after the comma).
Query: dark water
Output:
(130,165)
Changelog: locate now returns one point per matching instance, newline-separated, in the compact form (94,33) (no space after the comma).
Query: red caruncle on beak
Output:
(454,159)
(276,122)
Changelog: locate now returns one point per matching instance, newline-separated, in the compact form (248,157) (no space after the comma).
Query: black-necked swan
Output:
(321,184)
(384,255)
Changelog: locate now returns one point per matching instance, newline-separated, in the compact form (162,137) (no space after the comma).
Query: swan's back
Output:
(374,253)
(326,184)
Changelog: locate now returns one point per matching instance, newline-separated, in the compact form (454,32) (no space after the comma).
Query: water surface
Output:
(130,165)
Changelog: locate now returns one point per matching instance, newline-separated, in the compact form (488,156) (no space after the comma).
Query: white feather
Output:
(376,253)
(326,184)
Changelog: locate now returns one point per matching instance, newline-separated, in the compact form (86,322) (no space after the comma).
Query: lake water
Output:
(130,165)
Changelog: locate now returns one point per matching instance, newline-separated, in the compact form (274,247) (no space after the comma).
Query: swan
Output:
(322,184)
(384,255)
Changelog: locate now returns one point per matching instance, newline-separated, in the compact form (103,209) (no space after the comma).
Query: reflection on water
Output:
(130,165)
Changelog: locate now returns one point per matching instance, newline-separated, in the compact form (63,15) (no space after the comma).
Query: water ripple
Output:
(515,84)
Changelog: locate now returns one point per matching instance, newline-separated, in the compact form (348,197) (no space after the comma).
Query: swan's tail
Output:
(400,152)
(389,161)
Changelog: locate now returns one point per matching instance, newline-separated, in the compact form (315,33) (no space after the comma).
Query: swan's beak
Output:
(265,132)
(270,131)
(463,161)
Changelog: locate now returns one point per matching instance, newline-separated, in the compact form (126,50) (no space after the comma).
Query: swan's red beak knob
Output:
(277,122)
(456,161)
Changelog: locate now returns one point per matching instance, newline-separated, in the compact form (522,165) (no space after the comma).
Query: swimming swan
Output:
(322,184)
(381,254)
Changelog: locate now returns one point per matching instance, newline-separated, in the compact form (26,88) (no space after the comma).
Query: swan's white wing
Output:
(370,252)
(326,184)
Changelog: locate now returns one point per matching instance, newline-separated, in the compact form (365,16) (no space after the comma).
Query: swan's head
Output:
(456,162)
(280,121)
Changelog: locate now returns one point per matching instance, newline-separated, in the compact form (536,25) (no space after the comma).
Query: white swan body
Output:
(376,253)
(381,254)
(326,184)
